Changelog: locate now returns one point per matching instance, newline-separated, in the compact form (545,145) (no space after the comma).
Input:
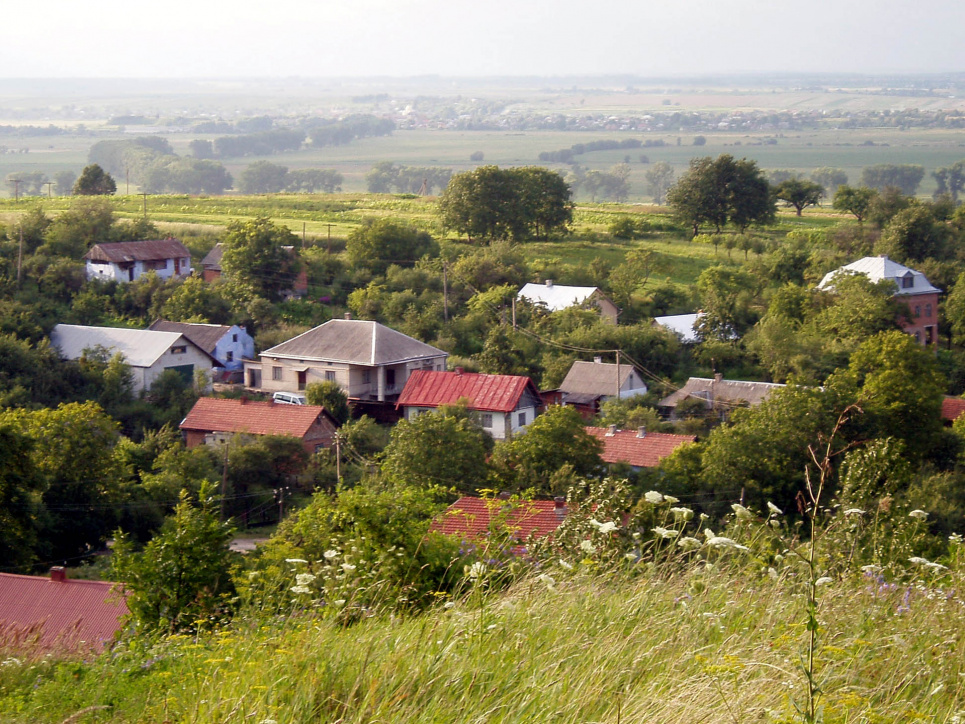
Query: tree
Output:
(906,177)
(726,296)
(255,253)
(829,178)
(951,180)
(694,199)
(799,194)
(659,179)
(378,243)
(913,235)
(182,578)
(20,482)
(64,182)
(201,148)
(309,180)
(856,200)
(748,196)
(94,181)
(262,177)
(955,309)
(330,395)
(544,200)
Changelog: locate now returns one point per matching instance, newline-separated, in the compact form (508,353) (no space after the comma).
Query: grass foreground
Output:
(714,645)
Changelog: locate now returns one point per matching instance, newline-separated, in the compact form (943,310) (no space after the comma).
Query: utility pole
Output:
(445,294)
(303,235)
(20,255)
(16,189)
(127,179)
(48,184)
(618,374)
(224,480)
(338,457)
(144,196)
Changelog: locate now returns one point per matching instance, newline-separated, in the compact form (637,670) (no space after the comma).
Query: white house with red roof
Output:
(505,404)
(215,420)
(636,448)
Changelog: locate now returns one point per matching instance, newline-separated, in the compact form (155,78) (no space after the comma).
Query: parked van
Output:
(289,398)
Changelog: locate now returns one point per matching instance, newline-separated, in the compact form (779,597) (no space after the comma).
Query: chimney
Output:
(611,431)
(58,573)
(244,399)
(505,495)
(348,315)
(718,377)
(559,506)
(642,431)
(598,360)
(549,283)
(459,370)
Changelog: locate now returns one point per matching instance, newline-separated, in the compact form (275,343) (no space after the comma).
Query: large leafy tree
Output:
(799,194)
(255,253)
(94,181)
(659,179)
(904,176)
(20,483)
(378,243)
(727,296)
(544,200)
(951,179)
(330,395)
(856,200)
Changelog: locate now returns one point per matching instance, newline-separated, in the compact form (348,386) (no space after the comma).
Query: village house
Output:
(474,519)
(683,325)
(147,353)
(636,448)
(54,613)
(211,270)
(215,420)
(589,384)
(718,395)
(911,287)
(557,296)
(126,261)
(504,404)
(368,360)
(229,345)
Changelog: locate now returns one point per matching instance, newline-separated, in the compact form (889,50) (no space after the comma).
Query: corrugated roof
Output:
(473,518)
(596,378)
(877,268)
(153,250)
(625,446)
(952,408)
(140,347)
(722,391)
(354,341)
(556,296)
(214,414)
(205,336)
(492,393)
(682,324)
(70,614)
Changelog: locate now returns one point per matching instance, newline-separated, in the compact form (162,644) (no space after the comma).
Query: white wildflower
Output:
(774,523)
(823,581)
(295,560)
(604,528)
(301,589)
(774,509)
(918,515)
(670,499)
(587,546)
(853,511)
(632,557)
(666,532)
(348,567)
(682,513)
(448,605)
(688,543)
(476,571)
(652,496)
(925,563)
(708,533)
(339,602)
(772,574)
(547,579)
(566,566)
(704,517)
(330,554)
(870,568)
(721,542)
(741,512)
(303,579)
(955,539)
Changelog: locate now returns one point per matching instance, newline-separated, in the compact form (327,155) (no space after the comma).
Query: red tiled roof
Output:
(471,518)
(71,614)
(492,393)
(625,446)
(952,408)
(216,414)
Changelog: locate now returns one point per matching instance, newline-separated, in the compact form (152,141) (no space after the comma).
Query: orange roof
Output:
(952,408)
(495,393)
(626,446)
(472,518)
(71,615)
(215,414)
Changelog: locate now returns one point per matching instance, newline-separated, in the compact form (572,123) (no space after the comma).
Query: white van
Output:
(289,398)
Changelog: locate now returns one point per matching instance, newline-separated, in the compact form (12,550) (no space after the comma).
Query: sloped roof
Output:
(952,408)
(205,336)
(153,250)
(214,414)
(140,347)
(682,324)
(70,614)
(877,268)
(595,378)
(354,341)
(471,518)
(556,296)
(212,260)
(495,393)
(722,391)
(626,446)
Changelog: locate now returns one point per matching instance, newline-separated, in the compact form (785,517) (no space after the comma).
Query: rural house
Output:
(589,384)
(683,325)
(505,404)
(125,261)
(53,613)
(216,420)
(146,352)
(211,270)
(368,360)
(228,345)
(474,519)
(911,287)
(556,297)
(718,395)
(636,448)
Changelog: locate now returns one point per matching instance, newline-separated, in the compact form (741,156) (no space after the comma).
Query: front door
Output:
(302,374)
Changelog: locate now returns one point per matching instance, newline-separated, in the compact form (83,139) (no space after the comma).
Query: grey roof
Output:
(140,347)
(556,296)
(877,268)
(727,392)
(153,250)
(212,260)
(594,378)
(206,336)
(354,341)
(682,324)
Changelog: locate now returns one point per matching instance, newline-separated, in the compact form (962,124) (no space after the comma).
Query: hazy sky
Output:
(221,38)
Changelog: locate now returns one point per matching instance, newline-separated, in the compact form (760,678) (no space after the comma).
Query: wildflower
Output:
(774,509)
(587,546)
(666,532)
(721,542)
(295,560)
(741,512)
(870,569)
(682,513)
(853,511)
(565,566)
(925,563)
(604,528)
(348,567)
(918,515)
(652,496)
(476,571)
(339,602)
(708,533)
(448,604)
(823,581)
(301,589)
(704,517)
(330,554)
(688,543)
(772,574)
(303,579)
(774,523)
(632,557)
(547,579)
(955,538)
(670,499)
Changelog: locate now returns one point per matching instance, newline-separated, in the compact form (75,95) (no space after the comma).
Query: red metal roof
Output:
(625,446)
(952,408)
(473,518)
(214,414)
(492,393)
(66,615)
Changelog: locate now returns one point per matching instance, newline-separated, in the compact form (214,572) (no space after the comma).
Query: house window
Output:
(234,338)
(229,357)
(522,419)
(907,281)
(917,310)
(329,375)
(918,337)
(390,378)
(180,349)
(928,310)
(486,420)
(276,373)
(366,377)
